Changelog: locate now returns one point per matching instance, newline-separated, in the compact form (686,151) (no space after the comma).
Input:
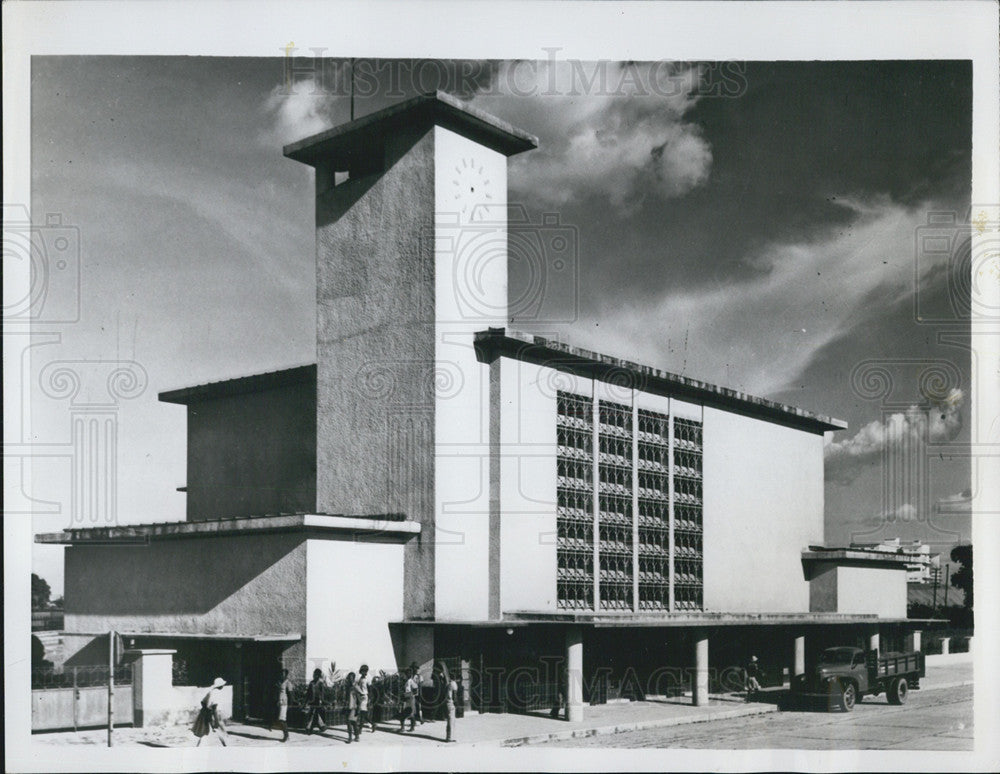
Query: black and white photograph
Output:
(536,386)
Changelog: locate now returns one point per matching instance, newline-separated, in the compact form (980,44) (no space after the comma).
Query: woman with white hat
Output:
(208,716)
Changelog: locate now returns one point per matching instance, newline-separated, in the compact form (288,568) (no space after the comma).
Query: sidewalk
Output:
(494,730)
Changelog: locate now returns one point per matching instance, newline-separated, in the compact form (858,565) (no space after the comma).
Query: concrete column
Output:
(873,641)
(970,644)
(945,646)
(799,659)
(912,640)
(574,674)
(699,688)
(152,685)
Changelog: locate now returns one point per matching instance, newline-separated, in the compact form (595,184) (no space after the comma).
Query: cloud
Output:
(759,331)
(938,424)
(614,131)
(296,113)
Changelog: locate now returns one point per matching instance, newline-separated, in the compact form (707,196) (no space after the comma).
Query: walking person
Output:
(450,696)
(360,692)
(284,691)
(352,707)
(410,700)
(208,716)
(315,695)
(753,673)
(418,700)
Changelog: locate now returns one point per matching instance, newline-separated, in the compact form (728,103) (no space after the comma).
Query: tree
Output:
(40,593)
(962,578)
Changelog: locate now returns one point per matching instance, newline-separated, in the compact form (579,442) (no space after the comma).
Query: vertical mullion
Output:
(670,502)
(597,499)
(635,503)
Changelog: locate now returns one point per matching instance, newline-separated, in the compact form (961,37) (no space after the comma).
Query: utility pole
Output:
(111,684)
(937,574)
(947,582)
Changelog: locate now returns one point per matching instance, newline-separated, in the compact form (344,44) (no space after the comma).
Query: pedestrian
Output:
(450,696)
(377,689)
(752,675)
(208,716)
(360,692)
(418,700)
(410,700)
(284,692)
(352,707)
(315,695)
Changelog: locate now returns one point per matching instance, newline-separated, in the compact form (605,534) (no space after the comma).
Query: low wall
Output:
(945,659)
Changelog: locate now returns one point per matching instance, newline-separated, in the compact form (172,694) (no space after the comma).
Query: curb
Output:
(954,684)
(639,725)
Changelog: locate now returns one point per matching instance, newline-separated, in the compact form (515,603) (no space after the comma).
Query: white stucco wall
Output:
(879,590)
(528,473)
(470,193)
(353,592)
(763,503)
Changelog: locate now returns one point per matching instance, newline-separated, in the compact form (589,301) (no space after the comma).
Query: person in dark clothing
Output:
(315,696)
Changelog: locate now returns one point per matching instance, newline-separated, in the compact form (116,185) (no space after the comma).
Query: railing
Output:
(46,620)
(78,677)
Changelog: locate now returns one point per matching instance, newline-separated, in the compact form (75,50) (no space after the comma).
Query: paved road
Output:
(930,720)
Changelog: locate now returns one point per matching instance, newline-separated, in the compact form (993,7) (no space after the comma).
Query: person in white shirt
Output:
(410,695)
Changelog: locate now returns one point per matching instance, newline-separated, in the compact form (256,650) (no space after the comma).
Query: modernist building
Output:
(437,486)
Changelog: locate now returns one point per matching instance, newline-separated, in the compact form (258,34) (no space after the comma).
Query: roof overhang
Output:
(853,556)
(280,637)
(344,145)
(685,620)
(536,349)
(380,528)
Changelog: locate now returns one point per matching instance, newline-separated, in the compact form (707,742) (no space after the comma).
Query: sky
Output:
(755,225)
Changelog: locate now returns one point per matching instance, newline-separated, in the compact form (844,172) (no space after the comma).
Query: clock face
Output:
(471,185)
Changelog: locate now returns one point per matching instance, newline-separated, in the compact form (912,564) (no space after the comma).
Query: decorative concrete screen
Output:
(575,494)
(654,510)
(615,499)
(687,515)
(640,521)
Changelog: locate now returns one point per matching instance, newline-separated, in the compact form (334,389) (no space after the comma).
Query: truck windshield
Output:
(837,656)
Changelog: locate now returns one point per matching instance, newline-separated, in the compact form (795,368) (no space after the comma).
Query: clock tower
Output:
(411,261)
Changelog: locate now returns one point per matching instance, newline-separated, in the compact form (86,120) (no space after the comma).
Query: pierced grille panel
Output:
(575,500)
(654,510)
(615,502)
(688,564)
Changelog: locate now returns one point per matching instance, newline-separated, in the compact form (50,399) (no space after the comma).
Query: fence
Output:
(46,620)
(958,641)
(77,697)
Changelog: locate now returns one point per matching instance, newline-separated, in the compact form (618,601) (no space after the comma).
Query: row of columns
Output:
(699,688)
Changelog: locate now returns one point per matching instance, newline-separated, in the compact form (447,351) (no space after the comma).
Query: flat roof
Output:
(564,357)
(855,555)
(678,620)
(347,142)
(241,384)
(375,528)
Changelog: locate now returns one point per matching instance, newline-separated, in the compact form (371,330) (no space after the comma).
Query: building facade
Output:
(437,486)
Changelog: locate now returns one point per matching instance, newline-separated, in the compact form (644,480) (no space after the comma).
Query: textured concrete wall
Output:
(823,589)
(375,348)
(224,585)
(763,503)
(252,454)
(879,590)
(355,592)
(470,281)
(528,502)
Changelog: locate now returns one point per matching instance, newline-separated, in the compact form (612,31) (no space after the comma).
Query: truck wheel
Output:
(848,696)
(898,691)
